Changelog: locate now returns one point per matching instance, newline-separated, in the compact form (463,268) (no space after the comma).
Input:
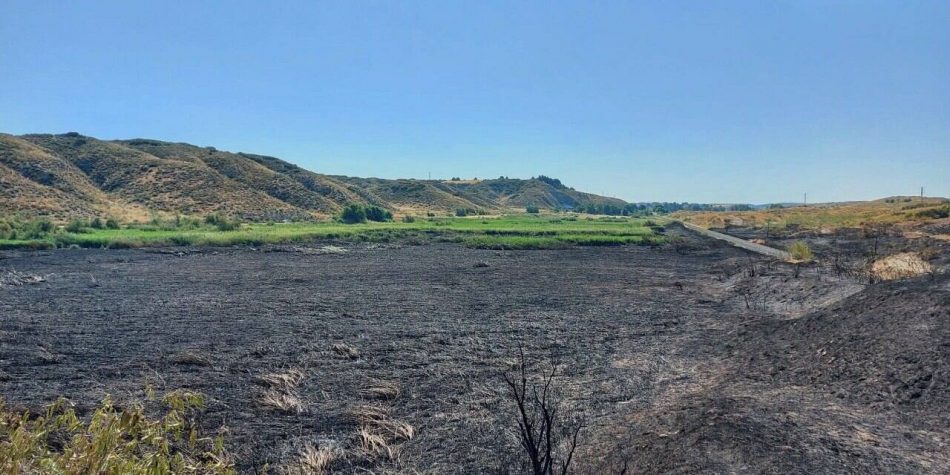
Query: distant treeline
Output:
(641,209)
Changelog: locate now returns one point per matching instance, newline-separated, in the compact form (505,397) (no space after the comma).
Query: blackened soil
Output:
(658,354)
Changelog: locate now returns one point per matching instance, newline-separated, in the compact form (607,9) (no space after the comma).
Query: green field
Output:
(504,232)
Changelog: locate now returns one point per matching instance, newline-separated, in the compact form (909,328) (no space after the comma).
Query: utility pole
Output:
(921,193)
(805,200)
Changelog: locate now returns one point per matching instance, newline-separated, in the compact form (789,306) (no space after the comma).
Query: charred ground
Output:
(686,358)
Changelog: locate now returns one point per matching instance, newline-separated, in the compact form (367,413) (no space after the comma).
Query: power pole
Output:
(921,192)
(805,200)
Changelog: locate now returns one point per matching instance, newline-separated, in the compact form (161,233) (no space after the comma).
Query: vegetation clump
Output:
(532,210)
(19,229)
(356,213)
(800,251)
(219,221)
(112,441)
(935,213)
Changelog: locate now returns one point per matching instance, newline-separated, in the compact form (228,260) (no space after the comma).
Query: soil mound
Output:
(888,345)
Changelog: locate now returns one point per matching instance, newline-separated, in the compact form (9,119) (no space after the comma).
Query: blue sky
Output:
(687,101)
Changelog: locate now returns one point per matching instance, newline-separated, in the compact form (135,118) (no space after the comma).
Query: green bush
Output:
(18,229)
(111,223)
(76,226)
(375,213)
(352,214)
(532,209)
(220,222)
(97,223)
(408,219)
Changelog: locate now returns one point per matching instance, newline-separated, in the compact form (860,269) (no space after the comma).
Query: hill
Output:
(70,175)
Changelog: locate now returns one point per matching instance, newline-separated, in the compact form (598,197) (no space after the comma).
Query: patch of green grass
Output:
(500,232)
(514,242)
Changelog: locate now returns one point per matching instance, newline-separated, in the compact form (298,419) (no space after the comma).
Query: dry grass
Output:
(192,358)
(281,391)
(379,434)
(345,351)
(380,390)
(288,402)
(287,380)
(900,266)
(825,217)
(312,460)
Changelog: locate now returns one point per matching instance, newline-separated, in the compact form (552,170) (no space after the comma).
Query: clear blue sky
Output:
(705,101)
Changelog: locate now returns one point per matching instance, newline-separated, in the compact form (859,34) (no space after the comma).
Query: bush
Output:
(409,219)
(112,224)
(375,213)
(532,209)
(220,222)
(935,213)
(800,251)
(97,223)
(76,226)
(353,214)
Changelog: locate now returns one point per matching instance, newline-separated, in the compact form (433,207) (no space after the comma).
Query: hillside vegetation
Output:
(72,176)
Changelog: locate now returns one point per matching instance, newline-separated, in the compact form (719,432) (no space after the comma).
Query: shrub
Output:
(111,223)
(220,222)
(532,209)
(469,212)
(375,213)
(353,214)
(76,226)
(44,226)
(800,251)
(408,219)
(935,213)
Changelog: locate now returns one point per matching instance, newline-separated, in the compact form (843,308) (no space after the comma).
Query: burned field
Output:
(685,358)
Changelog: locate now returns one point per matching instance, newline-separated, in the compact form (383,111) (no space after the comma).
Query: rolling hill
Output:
(70,175)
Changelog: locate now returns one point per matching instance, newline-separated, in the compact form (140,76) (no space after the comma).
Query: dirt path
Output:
(742,243)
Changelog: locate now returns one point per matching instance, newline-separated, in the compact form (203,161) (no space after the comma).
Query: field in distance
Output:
(499,232)
(829,216)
